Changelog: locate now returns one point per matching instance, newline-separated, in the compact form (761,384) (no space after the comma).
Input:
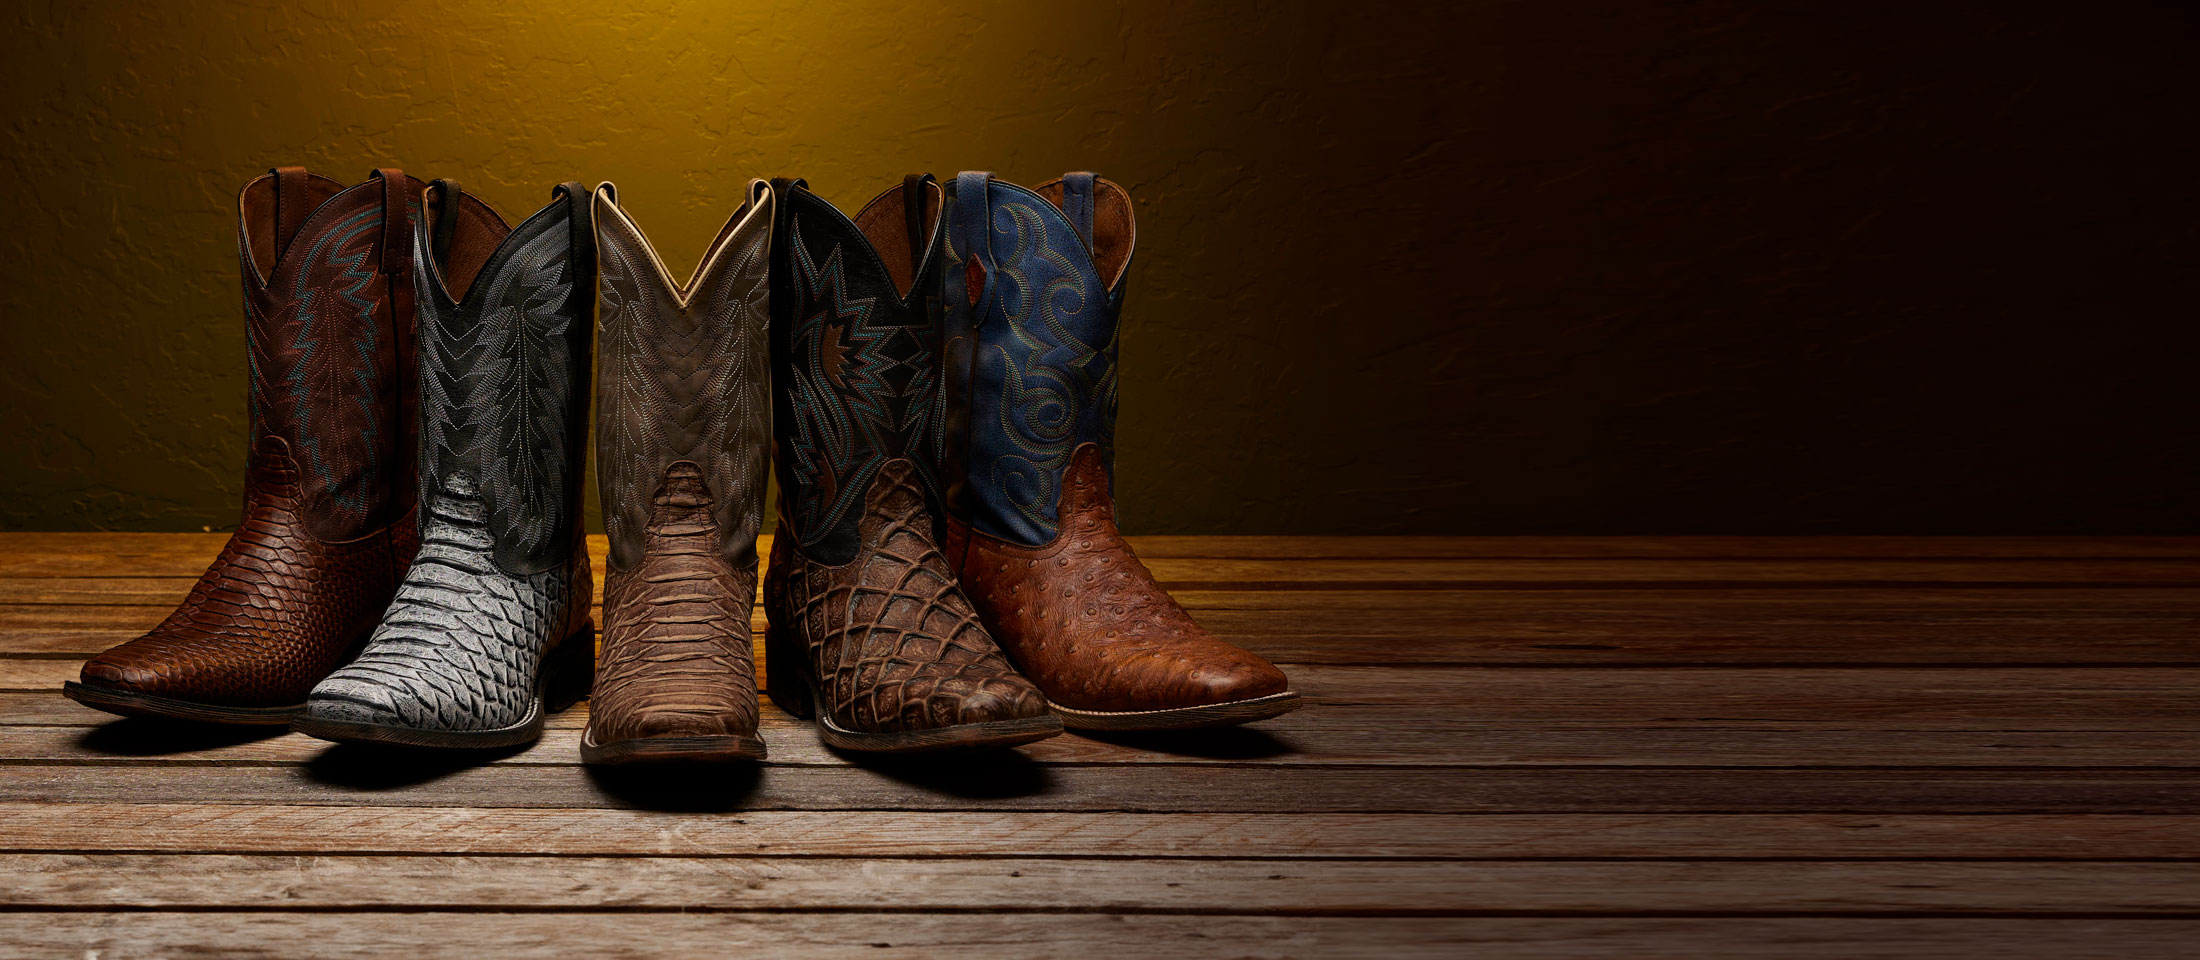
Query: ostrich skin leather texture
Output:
(1034,291)
(327,526)
(502,577)
(1086,621)
(895,645)
(682,448)
(856,585)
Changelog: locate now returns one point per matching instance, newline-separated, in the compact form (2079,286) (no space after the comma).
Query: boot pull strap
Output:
(579,207)
(397,228)
(1077,202)
(782,210)
(972,229)
(446,193)
(912,210)
(291,206)
(782,187)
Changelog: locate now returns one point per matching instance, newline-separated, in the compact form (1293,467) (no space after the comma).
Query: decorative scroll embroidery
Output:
(496,377)
(1057,389)
(325,376)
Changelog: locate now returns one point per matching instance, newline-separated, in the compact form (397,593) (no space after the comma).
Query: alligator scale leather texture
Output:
(327,527)
(894,644)
(857,585)
(502,577)
(1032,326)
(683,433)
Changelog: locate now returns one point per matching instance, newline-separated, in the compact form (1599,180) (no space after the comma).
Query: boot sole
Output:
(798,696)
(1183,718)
(128,704)
(732,748)
(563,683)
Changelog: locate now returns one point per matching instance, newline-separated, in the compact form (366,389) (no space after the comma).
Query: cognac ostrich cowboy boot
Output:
(869,632)
(328,526)
(490,628)
(1034,290)
(683,420)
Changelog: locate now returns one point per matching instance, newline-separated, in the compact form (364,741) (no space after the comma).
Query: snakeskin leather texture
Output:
(275,612)
(889,636)
(683,434)
(677,658)
(328,526)
(502,576)
(1085,620)
(462,646)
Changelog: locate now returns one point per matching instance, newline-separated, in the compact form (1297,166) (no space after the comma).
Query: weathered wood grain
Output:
(41,827)
(1218,886)
(356,778)
(1514,747)
(1327,737)
(831,936)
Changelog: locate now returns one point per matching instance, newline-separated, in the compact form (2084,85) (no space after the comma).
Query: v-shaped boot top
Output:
(287,205)
(504,332)
(1095,209)
(683,378)
(465,239)
(893,234)
(615,225)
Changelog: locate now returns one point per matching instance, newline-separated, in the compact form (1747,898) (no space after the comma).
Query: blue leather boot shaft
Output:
(1031,352)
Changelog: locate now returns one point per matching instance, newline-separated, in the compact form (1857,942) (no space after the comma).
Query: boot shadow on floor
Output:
(373,766)
(978,774)
(678,788)
(1211,743)
(142,737)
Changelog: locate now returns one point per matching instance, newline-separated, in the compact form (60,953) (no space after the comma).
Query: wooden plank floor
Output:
(1551,747)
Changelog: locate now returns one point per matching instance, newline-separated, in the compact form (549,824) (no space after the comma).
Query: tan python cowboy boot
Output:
(682,423)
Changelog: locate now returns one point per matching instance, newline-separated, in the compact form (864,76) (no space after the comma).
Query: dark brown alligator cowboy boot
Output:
(1034,290)
(869,632)
(683,423)
(328,527)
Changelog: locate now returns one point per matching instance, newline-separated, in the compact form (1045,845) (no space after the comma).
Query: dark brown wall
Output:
(1454,268)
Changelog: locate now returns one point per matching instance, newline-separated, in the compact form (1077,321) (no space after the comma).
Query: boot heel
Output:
(786,675)
(571,670)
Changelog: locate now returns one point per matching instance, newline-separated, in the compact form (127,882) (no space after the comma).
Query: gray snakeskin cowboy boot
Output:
(490,629)
(682,438)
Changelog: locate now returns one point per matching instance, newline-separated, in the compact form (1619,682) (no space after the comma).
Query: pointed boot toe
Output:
(489,631)
(116,670)
(343,699)
(1031,523)
(146,678)
(870,631)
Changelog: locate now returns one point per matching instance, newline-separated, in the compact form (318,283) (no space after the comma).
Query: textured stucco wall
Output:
(1482,267)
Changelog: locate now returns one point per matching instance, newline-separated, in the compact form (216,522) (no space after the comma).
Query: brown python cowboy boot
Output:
(1034,296)
(683,420)
(328,526)
(869,631)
